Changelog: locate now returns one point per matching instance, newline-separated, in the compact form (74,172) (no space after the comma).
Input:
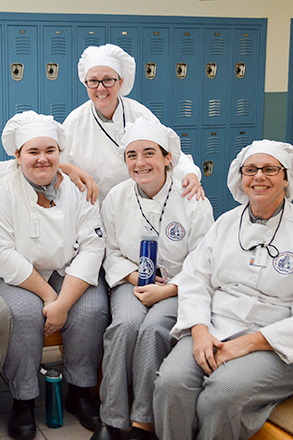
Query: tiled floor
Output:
(71,429)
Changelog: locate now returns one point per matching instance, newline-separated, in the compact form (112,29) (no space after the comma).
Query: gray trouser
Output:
(232,404)
(5,330)
(134,346)
(82,337)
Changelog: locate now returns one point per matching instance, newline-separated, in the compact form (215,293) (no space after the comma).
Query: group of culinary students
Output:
(204,351)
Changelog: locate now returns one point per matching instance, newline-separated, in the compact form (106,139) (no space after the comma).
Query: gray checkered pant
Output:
(82,337)
(231,404)
(134,346)
(5,330)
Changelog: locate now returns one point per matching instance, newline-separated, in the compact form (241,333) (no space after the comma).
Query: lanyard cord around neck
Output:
(103,129)
(163,210)
(261,244)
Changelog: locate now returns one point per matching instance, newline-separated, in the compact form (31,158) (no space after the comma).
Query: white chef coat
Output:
(220,288)
(92,150)
(183,225)
(67,237)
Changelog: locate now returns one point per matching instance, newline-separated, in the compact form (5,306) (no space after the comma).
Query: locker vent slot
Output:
(19,108)
(57,46)
(213,145)
(185,109)
(214,202)
(215,107)
(91,40)
(186,145)
(156,46)
(217,46)
(240,142)
(59,112)
(187,46)
(22,45)
(245,46)
(156,107)
(243,107)
(126,44)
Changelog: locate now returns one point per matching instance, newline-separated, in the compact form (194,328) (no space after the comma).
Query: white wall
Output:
(278,12)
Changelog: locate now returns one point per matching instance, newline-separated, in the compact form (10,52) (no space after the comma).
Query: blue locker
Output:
(127,38)
(57,71)
(155,72)
(213,164)
(185,76)
(244,76)
(86,36)
(188,139)
(215,76)
(21,69)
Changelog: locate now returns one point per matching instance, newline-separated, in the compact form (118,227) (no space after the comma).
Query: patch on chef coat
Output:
(99,232)
(175,231)
(283,263)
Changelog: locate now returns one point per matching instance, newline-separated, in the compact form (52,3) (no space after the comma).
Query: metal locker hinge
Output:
(52,70)
(208,168)
(211,70)
(240,70)
(181,70)
(17,70)
(150,70)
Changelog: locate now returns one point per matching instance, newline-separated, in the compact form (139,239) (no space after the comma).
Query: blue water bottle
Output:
(54,400)
(147,260)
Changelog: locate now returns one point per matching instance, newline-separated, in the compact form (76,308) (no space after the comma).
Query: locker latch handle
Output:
(211,70)
(150,70)
(240,70)
(208,168)
(52,70)
(181,70)
(17,70)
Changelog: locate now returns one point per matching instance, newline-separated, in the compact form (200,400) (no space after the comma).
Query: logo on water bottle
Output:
(146,268)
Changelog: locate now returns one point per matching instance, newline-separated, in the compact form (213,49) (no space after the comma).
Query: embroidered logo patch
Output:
(175,231)
(283,263)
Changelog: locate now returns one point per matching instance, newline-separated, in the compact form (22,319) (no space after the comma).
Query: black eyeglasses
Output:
(107,82)
(268,170)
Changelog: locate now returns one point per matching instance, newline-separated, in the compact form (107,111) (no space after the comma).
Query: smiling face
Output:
(147,165)
(104,99)
(39,159)
(265,192)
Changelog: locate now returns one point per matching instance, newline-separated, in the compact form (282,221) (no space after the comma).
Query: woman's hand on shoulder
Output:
(192,186)
(82,180)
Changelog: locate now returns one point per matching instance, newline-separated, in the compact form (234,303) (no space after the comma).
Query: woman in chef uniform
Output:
(138,338)
(51,249)
(94,130)
(234,359)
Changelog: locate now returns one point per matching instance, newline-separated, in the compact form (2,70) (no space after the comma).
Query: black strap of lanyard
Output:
(102,128)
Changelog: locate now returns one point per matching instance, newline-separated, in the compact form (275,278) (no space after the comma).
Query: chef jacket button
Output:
(226,273)
(132,243)
(254,278)
(33,209)
(59,211)
(269,233)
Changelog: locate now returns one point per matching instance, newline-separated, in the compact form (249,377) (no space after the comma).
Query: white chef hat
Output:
(144,129)
(281,151)
(112,56)
(28,125)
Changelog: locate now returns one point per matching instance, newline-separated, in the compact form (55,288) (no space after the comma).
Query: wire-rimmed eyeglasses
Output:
(268,170)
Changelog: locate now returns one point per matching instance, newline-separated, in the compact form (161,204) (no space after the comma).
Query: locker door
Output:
(86,36)
(240,137)
(213,164)
(22,69)
(127,38)
(188,139)
(155,72)
(185,77)
(244,76)
(215,76)
(57,71)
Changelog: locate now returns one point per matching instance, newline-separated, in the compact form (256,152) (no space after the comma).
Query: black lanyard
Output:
(261,244)
(163,210)
(102,128)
